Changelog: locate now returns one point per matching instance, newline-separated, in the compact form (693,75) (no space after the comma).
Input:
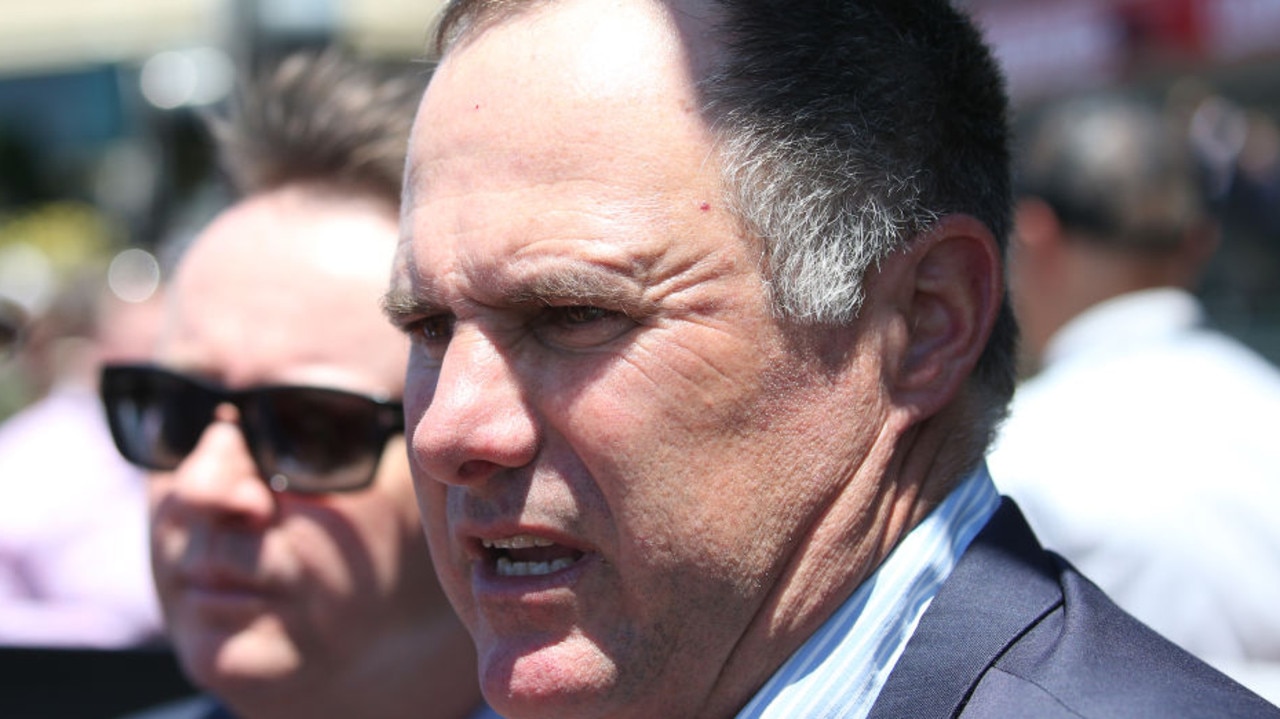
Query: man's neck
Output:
(905,477)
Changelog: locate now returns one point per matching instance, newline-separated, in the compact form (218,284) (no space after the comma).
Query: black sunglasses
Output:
(304,439)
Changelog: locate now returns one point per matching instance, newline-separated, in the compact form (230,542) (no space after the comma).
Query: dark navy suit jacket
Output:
(1015,631)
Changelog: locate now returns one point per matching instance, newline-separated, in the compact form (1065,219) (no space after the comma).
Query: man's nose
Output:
(219,478)
(477,421)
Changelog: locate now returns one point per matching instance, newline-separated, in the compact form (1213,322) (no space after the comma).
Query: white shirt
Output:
(1148,453)
(840,670)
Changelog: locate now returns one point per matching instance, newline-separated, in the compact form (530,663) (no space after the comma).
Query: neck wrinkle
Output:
(877,506)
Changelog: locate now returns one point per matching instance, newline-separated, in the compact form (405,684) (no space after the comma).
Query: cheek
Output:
(430,525)
(433,505)
(393,486)
(430,498)
(165,531)
(679,443)
(376,545)
(679,411)
(323,548)
(159,487)
(393,537)
(449,570)
(676,384)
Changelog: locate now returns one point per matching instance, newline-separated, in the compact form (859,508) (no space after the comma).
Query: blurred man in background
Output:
(1144,449)
(285,537)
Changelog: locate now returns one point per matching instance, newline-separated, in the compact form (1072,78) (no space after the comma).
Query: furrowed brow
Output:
(407,301)
(561,286)
(410,295)
(402,306)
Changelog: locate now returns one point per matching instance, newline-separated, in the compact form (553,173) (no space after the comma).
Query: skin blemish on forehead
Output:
(705,207)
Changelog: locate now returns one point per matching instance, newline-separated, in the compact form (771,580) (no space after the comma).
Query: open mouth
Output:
(527,556)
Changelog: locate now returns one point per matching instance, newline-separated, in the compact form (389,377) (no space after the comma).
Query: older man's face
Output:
(617,449)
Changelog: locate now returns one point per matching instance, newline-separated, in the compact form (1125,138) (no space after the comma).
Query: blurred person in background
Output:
(1144,449)
(1240,149)
(73,549)
(286,543)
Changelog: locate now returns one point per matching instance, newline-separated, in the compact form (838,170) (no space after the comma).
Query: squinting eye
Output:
(434,329)
(582,314)
(430,336)
(581,326)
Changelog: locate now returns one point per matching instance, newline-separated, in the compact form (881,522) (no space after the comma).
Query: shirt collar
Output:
(840,670)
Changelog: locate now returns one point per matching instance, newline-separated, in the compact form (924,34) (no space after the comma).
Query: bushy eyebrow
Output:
(401,306)
(549,286)
(566,285)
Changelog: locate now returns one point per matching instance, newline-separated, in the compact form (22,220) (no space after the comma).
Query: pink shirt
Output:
(74,567)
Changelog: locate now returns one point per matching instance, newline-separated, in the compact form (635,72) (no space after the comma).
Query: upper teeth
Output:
(520,541)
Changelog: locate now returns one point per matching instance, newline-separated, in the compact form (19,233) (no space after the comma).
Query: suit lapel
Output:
(1002,585)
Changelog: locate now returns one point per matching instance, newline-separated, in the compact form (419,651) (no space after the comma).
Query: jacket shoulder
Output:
(1016,631)
(1088,658)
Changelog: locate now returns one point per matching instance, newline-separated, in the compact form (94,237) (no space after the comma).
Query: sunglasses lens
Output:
(156,417)
(304,439)
(319,440)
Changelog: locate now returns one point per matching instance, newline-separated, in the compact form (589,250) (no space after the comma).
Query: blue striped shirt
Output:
(841,669)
